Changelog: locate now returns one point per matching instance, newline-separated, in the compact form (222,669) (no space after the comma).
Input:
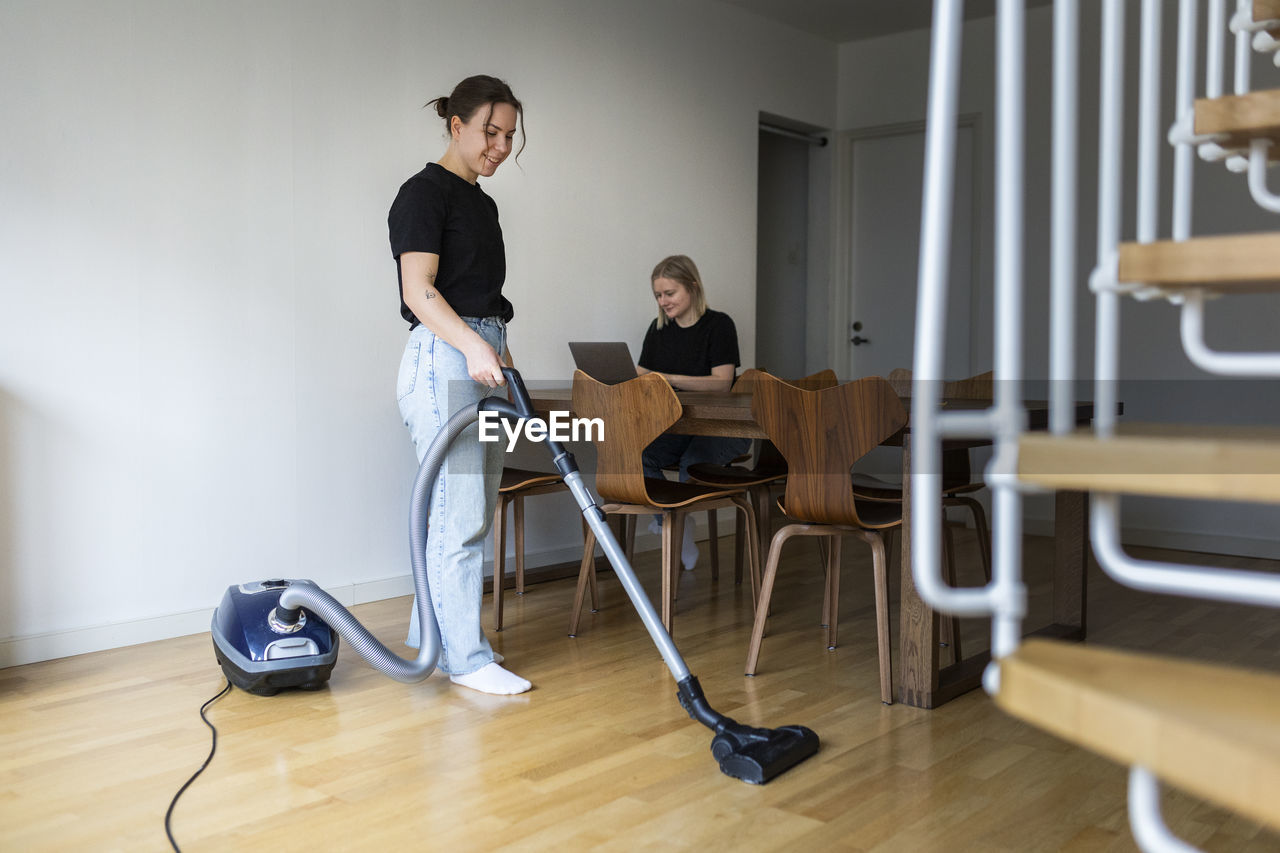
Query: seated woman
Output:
(695,348)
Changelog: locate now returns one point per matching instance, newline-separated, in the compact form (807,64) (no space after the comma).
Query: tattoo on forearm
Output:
(430,294)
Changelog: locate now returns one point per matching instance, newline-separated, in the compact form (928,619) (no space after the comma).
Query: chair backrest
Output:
(768,458)
(977,387)
(813,382)
(956,467)
(817,381)
(821,434)
(635,412)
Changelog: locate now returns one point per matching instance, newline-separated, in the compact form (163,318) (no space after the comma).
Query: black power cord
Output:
(212,749)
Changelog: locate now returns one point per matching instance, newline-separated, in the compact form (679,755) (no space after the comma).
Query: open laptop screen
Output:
(609,362)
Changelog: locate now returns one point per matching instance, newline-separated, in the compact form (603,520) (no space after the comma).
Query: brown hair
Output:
(682,269)
(472,94)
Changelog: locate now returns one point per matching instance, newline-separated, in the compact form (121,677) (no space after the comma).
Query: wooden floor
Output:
(599,755)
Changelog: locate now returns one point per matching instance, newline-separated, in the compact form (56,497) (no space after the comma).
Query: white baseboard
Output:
(33,648)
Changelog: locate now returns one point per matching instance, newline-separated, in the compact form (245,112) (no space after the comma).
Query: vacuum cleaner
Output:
(282,633)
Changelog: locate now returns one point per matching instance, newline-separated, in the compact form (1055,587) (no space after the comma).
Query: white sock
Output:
(689,550)
(492,678)
(497,658)
(655,527)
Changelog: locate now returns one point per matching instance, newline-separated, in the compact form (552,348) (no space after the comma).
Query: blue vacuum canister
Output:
(264,649)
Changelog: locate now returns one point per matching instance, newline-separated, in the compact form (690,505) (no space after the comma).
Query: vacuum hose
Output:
(754,755)
(324,605)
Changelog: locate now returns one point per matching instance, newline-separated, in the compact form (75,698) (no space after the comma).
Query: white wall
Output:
(198,322)
(885,81)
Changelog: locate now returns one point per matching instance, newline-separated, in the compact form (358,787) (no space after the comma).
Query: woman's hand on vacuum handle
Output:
(483,364)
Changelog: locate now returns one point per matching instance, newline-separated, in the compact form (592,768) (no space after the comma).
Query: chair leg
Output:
(982,530)
(833,587)
(766,590)
(749,536)
(879,569)
(764,528)
(499,559)
(588,565)
(739,531)
(671,539)
(627,535)
(890,536)
(825,622)
(595,598)
(518,511)
(713,543)
(949,629)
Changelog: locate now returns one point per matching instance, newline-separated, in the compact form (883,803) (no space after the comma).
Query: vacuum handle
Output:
(519,394)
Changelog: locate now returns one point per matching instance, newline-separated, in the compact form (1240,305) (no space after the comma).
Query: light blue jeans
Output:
(432,385)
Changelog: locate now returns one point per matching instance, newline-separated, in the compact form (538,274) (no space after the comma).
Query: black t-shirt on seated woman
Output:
(438,212)
(710,342)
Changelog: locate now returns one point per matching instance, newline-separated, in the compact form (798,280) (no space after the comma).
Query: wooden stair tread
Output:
(1211,462)
(1267,10)
(1211,730)
(1232,263)
(1255,115)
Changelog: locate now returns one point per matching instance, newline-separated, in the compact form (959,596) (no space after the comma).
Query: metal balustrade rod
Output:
(1184,110)
(1149,141)
(1215,33)
(1110,150)
(1244,12)
(931,306)
(1264,364)
(1062,276)
(981,424)
(1145,821)
(1006,556)
(1259,588)
(1259,154)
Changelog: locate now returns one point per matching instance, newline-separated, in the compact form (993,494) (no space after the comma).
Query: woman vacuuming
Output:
(451,263)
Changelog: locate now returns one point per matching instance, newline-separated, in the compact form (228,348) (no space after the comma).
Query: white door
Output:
(883,200)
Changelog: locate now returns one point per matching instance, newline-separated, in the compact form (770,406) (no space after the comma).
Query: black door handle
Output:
(859,340)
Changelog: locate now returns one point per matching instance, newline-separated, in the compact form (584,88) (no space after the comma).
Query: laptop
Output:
(609,362)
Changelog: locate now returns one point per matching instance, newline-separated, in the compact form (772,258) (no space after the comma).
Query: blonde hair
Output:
(682,269)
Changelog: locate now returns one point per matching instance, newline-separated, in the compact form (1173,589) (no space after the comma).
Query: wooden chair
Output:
(957,477)
(517,484)
(821,434)
(634,413)
(769,470)
(957,483)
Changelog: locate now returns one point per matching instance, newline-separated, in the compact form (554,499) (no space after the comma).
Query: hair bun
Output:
(442,106)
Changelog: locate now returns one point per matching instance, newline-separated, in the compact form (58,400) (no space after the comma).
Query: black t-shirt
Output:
(438,212)
(710,342)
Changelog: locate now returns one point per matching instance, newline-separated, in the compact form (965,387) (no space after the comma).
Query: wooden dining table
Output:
(922,682)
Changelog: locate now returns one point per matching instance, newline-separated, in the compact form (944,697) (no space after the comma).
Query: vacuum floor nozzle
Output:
(746,753)
(758,755)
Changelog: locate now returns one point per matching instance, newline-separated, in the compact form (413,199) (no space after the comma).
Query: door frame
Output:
(842,304)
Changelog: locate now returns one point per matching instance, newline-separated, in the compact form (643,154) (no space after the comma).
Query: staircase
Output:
(1210,730)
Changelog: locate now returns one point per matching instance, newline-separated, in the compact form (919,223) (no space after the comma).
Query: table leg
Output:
(917,623)
(1071,564)
(921,682)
